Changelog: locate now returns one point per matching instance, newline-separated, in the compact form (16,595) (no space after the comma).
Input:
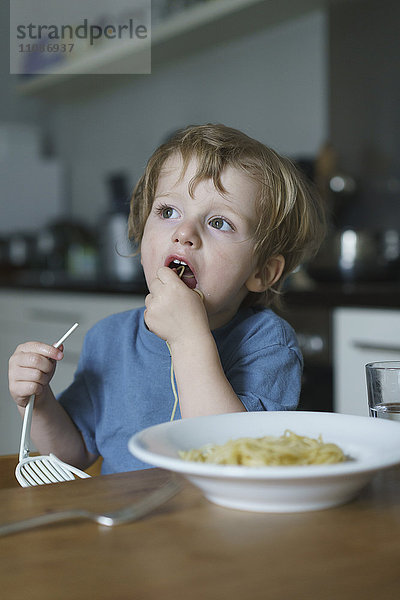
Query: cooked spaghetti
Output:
(288,449)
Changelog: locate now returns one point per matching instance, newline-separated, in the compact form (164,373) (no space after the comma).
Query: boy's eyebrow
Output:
(230,208)
(226,206)
(165,195)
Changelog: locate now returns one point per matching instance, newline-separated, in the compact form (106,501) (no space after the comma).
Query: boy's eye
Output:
(167,212)
(221,224)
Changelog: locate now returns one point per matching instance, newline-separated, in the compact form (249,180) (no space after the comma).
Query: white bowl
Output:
(371,444)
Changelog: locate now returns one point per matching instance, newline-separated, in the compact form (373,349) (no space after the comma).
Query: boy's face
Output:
(211,233)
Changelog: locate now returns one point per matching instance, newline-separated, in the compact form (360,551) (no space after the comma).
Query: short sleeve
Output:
(268,379)
(261,359)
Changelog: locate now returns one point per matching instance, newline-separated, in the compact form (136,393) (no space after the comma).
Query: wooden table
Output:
(194,550)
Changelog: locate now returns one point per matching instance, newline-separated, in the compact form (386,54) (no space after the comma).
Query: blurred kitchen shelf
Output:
(372,294)
(204,25)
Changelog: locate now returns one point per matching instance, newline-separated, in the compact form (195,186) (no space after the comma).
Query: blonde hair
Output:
(290,215)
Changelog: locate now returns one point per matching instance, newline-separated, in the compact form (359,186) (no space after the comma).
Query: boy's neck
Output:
(219,320)
(224,316)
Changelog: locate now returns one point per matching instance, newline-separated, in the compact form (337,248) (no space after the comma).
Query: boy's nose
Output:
(186,233)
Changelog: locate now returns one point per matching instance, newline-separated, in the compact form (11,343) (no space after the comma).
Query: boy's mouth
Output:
(183,270)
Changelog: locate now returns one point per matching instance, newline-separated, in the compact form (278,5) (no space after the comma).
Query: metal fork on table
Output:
(128,514)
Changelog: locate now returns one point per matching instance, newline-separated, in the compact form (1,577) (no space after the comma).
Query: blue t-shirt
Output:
(122,383)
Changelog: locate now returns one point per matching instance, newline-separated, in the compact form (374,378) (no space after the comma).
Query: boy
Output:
(221,220)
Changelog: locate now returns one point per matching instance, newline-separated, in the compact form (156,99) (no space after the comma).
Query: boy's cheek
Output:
(147,261)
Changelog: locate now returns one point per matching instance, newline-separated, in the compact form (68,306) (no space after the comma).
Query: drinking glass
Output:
(383,387)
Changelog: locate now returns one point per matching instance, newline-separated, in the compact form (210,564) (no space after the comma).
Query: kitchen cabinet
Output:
(193,29)
(360,336)
(45,316)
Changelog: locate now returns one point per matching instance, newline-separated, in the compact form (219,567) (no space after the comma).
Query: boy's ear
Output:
(261,280)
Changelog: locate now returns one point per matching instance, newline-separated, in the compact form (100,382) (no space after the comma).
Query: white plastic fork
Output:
(39,470)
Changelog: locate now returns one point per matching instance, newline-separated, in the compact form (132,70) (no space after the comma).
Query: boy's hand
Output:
(173,311)
(31,369)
